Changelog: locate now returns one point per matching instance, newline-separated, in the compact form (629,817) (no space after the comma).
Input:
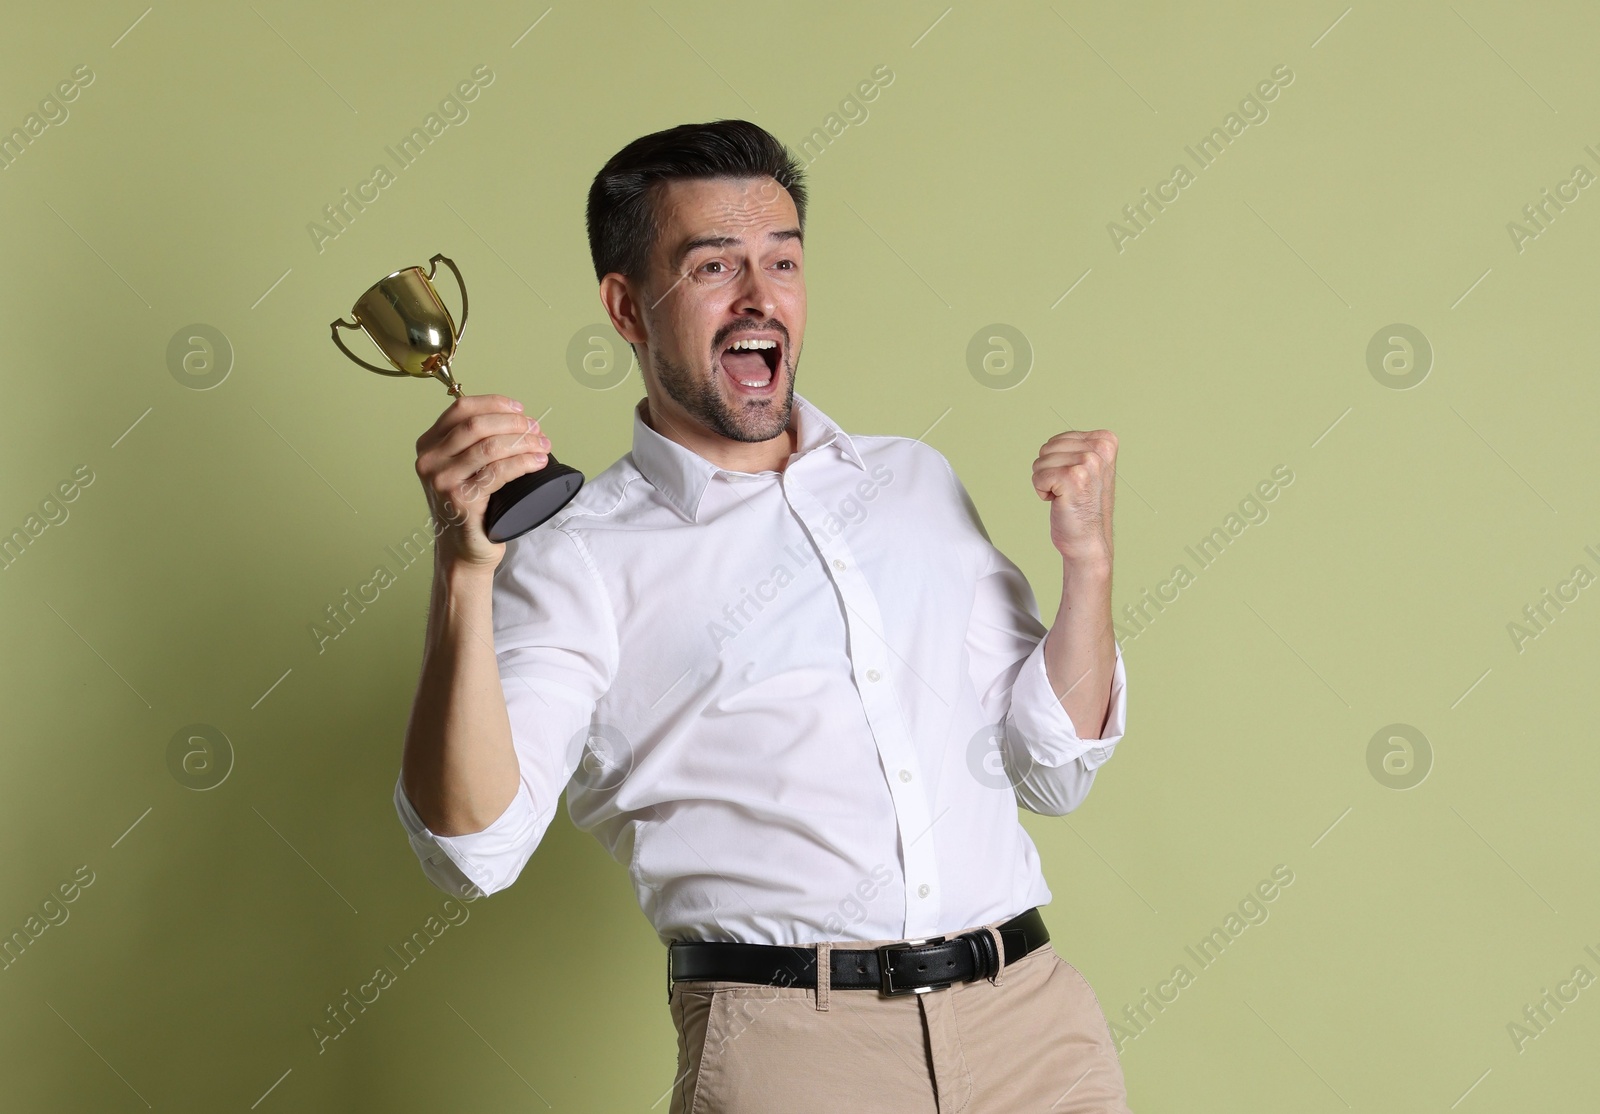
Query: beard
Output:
(698,394)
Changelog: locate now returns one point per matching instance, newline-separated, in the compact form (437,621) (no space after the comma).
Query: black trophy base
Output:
(529,500)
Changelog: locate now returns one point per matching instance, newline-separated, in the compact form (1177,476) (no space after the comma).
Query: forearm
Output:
(1080,651)
(459,768)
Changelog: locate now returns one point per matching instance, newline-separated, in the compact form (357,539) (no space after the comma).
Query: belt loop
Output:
(1000,955)
(824,973)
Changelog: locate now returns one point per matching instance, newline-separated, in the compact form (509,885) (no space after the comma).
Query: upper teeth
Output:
(751,344)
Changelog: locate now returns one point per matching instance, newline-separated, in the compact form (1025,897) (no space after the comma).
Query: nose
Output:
(754,296)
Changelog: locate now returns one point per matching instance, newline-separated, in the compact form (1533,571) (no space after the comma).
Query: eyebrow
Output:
(730,241)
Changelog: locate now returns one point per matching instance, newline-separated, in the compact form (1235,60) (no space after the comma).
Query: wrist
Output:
(1092,569)
(457,575)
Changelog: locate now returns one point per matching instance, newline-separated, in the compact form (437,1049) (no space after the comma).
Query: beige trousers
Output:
(1032,1039)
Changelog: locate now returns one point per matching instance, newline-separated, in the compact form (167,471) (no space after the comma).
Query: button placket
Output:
(885,718)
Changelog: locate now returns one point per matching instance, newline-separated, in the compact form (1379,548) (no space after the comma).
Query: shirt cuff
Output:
(1046,730)
(479,863)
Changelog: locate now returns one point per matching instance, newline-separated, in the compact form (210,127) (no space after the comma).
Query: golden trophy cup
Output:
(404,316)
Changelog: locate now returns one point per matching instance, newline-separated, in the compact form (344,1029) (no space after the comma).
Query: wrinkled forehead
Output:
(690,209)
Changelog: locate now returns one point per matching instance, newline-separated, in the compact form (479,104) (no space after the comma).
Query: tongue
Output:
(746,365)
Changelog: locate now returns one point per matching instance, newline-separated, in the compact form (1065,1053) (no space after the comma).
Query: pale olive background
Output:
(1229,338)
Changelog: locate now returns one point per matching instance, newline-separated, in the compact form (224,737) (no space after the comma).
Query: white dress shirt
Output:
(778,697)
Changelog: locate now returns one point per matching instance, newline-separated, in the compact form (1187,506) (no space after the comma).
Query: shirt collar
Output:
(681,475)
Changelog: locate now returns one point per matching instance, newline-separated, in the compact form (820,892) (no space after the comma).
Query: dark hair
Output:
(621,215)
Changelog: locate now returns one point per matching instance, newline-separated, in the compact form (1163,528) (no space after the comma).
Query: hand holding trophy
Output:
(404,316)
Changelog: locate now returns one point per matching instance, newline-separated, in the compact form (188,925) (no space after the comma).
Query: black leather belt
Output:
(907,967)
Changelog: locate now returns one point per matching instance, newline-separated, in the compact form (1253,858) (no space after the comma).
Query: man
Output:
(784,676)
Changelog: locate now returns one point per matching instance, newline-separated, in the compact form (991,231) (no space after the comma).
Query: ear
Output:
(619,298)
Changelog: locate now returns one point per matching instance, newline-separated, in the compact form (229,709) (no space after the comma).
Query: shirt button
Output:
(838,564)
(922,890)
(905,775)
(873,675)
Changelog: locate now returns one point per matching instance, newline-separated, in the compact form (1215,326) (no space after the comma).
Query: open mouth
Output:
(752,362)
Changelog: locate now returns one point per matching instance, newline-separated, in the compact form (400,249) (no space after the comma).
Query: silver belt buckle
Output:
(886,971)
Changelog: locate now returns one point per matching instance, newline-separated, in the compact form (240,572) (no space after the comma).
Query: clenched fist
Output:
(1076,471)
(479,443)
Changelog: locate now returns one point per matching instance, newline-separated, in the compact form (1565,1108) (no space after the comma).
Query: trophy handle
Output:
(343,324)
(434,266)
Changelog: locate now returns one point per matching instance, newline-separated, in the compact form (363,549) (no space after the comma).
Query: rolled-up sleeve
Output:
(556,646)
(1054,767)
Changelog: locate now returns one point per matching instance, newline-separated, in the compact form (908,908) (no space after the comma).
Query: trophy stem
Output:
(442,374)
